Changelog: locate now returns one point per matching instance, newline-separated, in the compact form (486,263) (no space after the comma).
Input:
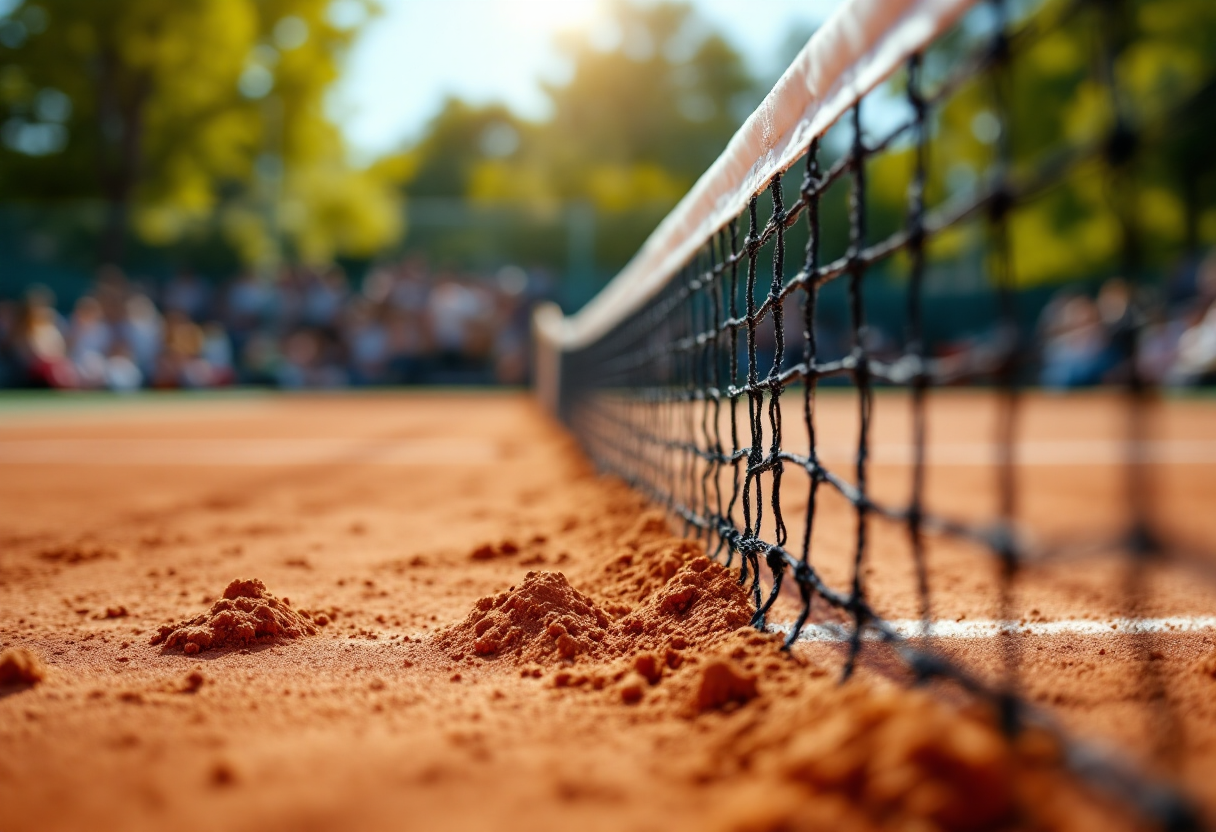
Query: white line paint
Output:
(988,628)
(1037,453)
(253,452)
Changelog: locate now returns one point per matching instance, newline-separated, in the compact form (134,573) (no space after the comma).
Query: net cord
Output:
(854,51)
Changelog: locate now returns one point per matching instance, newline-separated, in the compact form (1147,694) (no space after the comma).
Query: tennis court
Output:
(365,508)
(873,492)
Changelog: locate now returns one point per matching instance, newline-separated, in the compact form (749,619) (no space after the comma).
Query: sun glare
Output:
(551,16)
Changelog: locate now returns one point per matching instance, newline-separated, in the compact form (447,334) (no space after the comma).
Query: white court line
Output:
(239,452)
(1036,453)
(987,628)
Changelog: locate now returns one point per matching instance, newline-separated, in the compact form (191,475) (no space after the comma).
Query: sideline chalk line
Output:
(988,628)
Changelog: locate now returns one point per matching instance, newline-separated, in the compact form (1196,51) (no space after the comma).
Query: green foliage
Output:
(179,113)
(1165,53)
(1164,69)
(634,126)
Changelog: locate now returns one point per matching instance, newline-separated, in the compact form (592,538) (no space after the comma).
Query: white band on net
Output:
(858,48)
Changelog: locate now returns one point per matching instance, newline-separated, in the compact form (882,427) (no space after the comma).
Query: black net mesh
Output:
(706,398)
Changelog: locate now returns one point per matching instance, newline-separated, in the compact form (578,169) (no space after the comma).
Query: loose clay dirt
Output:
(499,640)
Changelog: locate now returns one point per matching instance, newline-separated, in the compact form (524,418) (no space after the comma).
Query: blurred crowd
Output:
(308,328)
(1085,340)
(1083,335)
(410,324)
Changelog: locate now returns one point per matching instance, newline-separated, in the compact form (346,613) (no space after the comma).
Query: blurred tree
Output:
(1165,56)
(457,140)
(652,99)
(665,98)
(176,113)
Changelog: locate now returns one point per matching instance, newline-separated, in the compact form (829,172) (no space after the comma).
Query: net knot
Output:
(1176,814)
(750,545)
(1000,202)
(1142,542)
(1003,541)
(928,666)
(998,49)
(811,182)
(1121,144)
(1009,713)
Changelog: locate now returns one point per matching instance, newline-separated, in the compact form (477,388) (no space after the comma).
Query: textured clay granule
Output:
(722,684)
(542,620)
(906,757)
(648,559)
(19,666)
(78,552)
(858,756)
(245,615)
(700,603)
(1206,665)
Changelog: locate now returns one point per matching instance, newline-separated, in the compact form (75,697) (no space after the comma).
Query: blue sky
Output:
(419,51)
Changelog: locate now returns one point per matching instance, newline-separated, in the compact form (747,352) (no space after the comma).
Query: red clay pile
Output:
(545,620)
(699,604)
(542,620)
(247,614)
(19,666)
(676,642)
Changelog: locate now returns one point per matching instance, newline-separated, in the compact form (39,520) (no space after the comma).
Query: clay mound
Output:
(650,557)
(542,620)
(1206,665)
(722,684)
(82,551)
(19,666)
(247,614)
(491,551)
(906,756)
(699,605)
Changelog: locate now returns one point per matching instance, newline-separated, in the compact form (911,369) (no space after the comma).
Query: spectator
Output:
(408,343)
(1158,347)
(9,365)
(39,346)
(454,312)
(250,303)
(89,341)
(217,354)
(323,297)
(1075,348)
(1196,361)
(302,329)
(142,331)
(186,294)
(367,340)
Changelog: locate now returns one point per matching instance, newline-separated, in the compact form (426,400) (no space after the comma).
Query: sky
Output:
(417,52)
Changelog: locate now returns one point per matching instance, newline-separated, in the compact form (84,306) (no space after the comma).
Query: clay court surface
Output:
(626,694)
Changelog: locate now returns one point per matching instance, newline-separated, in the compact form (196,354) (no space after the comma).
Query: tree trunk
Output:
(120,113)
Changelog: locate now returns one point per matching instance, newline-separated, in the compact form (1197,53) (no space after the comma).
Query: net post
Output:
(547,321)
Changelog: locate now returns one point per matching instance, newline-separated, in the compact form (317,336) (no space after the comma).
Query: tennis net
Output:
(1009,144)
